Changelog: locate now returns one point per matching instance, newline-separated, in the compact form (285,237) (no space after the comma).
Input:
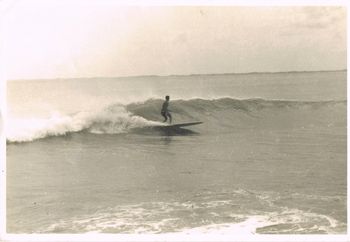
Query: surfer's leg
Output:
(165,116)
(170,118)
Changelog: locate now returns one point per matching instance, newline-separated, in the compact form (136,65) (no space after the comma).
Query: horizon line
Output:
(178,75)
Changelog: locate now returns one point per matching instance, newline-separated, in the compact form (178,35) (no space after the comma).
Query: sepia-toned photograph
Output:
(174,120)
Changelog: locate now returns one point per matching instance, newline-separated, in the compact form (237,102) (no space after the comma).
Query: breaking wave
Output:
(118,118)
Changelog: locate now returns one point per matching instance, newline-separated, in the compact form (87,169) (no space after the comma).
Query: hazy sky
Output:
(49,39)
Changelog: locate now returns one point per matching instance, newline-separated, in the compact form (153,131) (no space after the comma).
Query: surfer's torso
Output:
(165,106)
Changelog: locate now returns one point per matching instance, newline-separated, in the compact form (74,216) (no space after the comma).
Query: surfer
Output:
(165,112)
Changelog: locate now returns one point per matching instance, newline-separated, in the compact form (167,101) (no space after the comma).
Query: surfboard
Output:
(181,125)
(167,129)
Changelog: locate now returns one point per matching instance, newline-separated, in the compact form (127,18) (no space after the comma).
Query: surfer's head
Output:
(167,98)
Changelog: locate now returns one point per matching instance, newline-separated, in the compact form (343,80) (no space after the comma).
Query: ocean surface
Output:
(84,155)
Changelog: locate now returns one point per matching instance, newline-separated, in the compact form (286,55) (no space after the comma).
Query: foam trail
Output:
(246,227)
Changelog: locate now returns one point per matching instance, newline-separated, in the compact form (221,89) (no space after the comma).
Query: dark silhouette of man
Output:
(165,112)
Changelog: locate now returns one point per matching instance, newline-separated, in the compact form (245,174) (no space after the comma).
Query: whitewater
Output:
(83,155)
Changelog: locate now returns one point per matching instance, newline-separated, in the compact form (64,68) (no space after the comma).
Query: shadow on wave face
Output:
(164,131)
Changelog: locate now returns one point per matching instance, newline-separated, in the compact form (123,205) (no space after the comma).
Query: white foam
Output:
(161,217)
(246,227)
(111,121)
(21,130)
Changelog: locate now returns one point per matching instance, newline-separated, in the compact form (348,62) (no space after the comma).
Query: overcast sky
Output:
(50,39)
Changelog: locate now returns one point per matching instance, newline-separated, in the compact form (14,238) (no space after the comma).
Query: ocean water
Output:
(83,155)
